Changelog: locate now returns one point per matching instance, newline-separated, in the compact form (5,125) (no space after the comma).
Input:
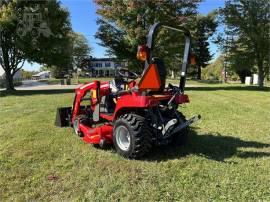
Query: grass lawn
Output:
(227,157)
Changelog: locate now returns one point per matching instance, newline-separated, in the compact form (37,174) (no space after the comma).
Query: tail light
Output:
(142,53)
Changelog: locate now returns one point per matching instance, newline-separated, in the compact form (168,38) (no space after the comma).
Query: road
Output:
(37,85)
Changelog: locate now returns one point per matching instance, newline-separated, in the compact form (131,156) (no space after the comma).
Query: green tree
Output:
(248,20)
(28,74)
(205,27)
(36,31)
(80,49)
(213,71)
(238,58)
(241,61)
(123,25)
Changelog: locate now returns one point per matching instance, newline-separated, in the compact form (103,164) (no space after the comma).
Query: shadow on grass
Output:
(230,88)
(35,92)
(209,81)
(216,147)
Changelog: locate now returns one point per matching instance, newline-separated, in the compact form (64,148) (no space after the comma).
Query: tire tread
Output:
(141,133)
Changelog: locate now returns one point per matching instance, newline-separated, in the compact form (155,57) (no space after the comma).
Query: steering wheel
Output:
(125,73)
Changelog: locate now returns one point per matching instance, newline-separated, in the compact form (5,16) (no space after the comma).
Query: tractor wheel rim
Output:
(123,138)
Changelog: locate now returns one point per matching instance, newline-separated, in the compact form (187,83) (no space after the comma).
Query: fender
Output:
(137,100)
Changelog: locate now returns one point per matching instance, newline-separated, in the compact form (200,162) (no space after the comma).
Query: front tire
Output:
(132,136)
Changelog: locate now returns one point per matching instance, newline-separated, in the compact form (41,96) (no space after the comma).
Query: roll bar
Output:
(150,44)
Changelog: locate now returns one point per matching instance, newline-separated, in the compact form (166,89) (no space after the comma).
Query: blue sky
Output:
(83,19)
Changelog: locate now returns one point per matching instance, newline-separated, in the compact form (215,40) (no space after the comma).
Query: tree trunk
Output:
(199,75)
(260,72)
(9,81)
(261,79)
(172,76)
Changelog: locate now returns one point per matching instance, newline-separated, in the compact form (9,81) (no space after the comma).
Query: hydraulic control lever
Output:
(176,90)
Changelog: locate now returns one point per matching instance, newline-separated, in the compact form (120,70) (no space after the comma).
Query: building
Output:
(104,67)
(42,75)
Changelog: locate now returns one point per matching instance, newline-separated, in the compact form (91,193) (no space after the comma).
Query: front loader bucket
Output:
(63,115)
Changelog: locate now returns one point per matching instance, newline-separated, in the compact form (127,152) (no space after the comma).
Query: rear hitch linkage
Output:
(187,123)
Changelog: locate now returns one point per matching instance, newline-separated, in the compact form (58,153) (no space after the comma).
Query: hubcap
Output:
(122,137)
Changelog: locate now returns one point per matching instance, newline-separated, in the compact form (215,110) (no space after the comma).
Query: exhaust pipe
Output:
(187,123)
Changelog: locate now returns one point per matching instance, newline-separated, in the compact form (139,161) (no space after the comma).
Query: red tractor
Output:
(133,115)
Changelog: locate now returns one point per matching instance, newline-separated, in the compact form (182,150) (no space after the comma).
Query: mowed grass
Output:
(227,157)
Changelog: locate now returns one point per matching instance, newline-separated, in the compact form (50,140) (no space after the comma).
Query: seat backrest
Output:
(154,77)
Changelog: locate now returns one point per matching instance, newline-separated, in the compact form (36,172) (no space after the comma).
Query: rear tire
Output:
(132,136)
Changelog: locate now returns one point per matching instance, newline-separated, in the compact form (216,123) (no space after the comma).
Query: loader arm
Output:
(79,95)
(97,90)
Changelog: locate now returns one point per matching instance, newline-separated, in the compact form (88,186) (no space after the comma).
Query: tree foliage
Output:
(123,25)
(248,24)
(242,62)
(213,71)
(80,49)
(44,39)
(205,27)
